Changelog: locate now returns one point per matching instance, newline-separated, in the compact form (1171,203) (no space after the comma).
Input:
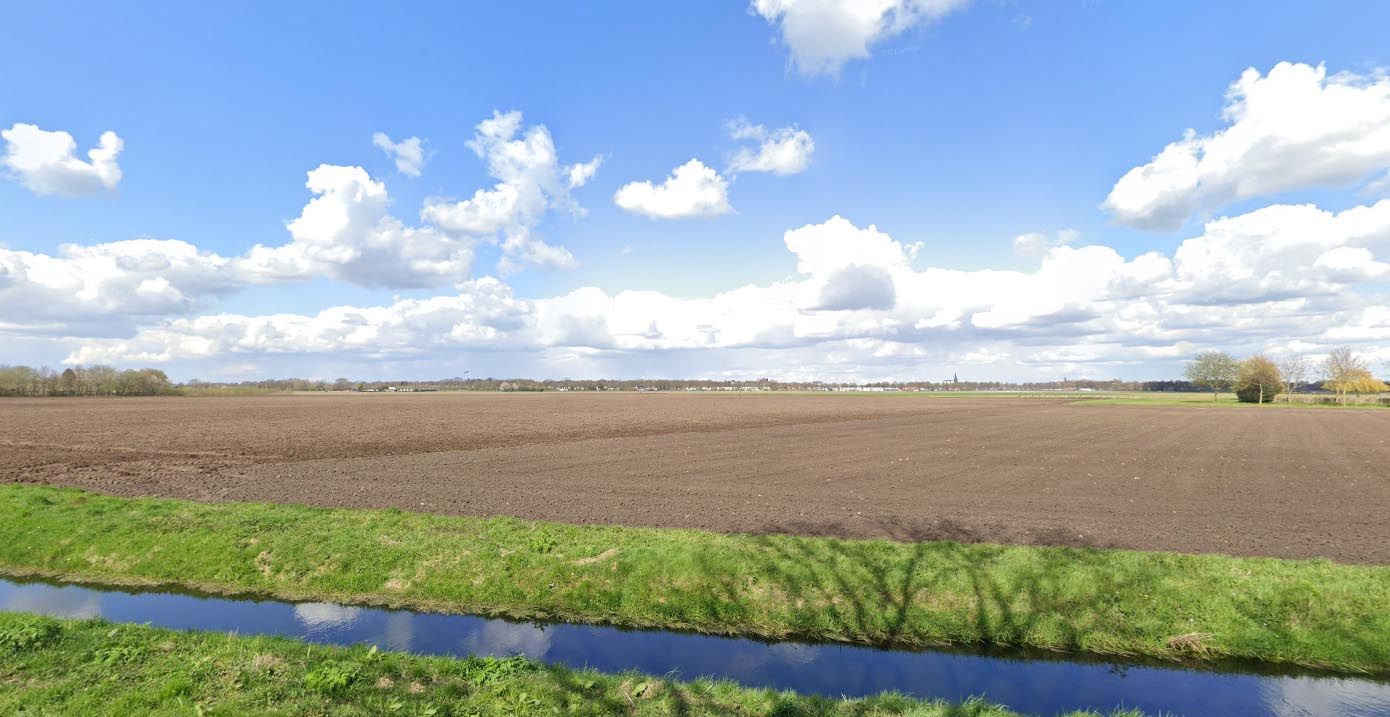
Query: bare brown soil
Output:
(1281,482)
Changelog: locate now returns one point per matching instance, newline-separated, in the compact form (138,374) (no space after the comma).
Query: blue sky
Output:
(960,126)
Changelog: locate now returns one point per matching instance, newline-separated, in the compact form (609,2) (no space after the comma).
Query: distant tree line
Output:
(107,381)
(657,384)
(1258,379)
(84,381)
(1343,374)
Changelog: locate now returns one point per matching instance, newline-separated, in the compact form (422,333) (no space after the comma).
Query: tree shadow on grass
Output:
(912,592)
(919,592)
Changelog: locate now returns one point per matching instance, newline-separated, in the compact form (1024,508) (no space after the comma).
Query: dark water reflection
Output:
(1034,686)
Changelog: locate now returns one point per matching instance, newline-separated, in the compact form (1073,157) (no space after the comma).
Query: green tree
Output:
(1258,380)
(1213,370)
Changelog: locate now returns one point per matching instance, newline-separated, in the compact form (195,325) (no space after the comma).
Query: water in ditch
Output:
(1026,682)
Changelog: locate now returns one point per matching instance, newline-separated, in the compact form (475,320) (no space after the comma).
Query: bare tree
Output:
(1213,370)
(1293,370)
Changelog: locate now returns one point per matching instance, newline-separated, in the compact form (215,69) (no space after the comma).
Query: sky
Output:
(793,189)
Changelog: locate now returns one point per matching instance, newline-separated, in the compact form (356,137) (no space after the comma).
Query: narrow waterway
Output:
(1028,683)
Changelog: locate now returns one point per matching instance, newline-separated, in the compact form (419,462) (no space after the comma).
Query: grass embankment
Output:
(1313,613)
(91,667)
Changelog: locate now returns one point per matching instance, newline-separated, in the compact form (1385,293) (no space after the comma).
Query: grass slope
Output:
(95,668)
(1313,613)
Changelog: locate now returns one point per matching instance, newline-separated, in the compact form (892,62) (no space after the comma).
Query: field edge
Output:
(1064,600)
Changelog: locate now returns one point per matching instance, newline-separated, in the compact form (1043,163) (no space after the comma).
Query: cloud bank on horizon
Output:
(1276,240)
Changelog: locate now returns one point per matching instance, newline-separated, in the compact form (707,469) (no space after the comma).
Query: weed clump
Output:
(541,542)
(332,679)
(493,670)
(28,635)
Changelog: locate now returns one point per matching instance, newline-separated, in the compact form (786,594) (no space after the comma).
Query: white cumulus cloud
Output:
(582,172)
(105,287)
(531,180)
(1293,128)
(781,151)
(47,162)
(691,190)
(825,34)
(346,232)
(1283,251)
(481,315)
(409,153)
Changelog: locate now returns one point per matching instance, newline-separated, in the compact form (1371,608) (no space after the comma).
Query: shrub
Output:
(1258,380)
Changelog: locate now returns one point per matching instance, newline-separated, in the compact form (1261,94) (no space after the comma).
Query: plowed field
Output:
(1286,482)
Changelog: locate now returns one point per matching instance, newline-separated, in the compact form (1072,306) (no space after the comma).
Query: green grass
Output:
(1165,605)
(1188,400)
(1225,400)
(91,667)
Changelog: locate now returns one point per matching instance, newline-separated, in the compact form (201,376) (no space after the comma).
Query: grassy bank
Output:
(50,666)
(1313,613)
